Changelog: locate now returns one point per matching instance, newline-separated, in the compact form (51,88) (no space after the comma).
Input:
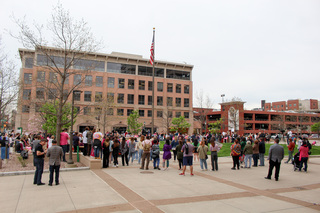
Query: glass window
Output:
(85,64)
(120,98)
(149,113)
(160,86)
(41,76)
(66,80)
(27,78)
(65,94)
(169,101)
(121,83)
(186,102)
(87,95)
(53,77)
(186,89)
(110,97)
(98,97)
(147,71)
(130,84)
(150,85)
(129,112)
(121,68)
(52,94)
(76,96)
(141,100)
(120,112)
(159,114)
(170,114)
(142,85)
(141,113)
(110,82)
(110,111)
(178,88)
(178,114)
(186,114)
(76,79)
(52,61)
(25,108)
(130,99)
(88,80)
(159,100)
(169,87)
(37,107)
(176,74)
(26,94)
(178,102)
(149,100)
(98,111)
(40,93)
(28,63)
(99,81)
(86,110)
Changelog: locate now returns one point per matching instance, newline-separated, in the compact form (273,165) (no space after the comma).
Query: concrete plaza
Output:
(129,189)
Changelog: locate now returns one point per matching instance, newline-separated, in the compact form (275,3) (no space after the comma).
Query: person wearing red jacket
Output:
(304,155)
(290,150)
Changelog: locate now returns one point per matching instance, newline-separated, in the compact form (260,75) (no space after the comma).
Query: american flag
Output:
(152,50)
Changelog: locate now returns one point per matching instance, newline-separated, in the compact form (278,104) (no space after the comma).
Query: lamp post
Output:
(70,161)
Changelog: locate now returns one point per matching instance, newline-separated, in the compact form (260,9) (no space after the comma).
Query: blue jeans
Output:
(39,162)
(246,158)
(305,162)
(54,169)
(140,155)
(96,152)
(261,157)
(203,161)
(3,153)
(64,149)
(131,155)
(156,162)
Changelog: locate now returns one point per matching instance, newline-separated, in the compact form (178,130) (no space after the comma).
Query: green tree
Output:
(179,124)
(49,115)
(316,128)
(134,126)
(215,127)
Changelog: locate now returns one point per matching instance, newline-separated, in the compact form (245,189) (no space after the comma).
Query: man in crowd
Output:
(39,162)
(187,150)
(276,154)
(85,141)
(54,153)
(64,137)
(262,150)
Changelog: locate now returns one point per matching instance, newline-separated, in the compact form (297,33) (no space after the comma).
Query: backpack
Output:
(24,154)
(146,147)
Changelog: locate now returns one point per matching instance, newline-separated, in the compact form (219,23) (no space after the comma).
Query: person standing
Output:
(156,155)
(291,146)
(174,145)
(262,150)
(54,154)
(146,152)
(132,149)
(106,152)
(202,150)
(76,141)
(187,150)
(115,151)
(89,142)
(85,141)
(140,147)
(180,154)
(214,148)
(39,162)
(64,137)
(124,149)
(97,138)
(248,151)
(166,154)
(235,153)
(255,154)
(304,155)
(276,154)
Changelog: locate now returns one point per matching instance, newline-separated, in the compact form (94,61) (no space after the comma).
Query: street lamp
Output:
(77,92)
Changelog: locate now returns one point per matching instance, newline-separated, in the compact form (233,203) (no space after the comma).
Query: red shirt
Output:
(64,138)
(303,152)
(291,146)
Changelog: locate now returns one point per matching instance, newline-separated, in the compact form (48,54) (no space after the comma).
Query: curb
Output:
(44,171)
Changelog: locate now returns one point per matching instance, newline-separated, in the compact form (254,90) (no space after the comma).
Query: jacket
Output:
(276,153)
(202,151)
(54,154)
(166,152)
(262,147)
(303,152)
(248,150)
(255,148)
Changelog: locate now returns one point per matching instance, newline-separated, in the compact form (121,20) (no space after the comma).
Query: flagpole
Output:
(152,122)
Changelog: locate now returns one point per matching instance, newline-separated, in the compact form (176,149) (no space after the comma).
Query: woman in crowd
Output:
(174,145)
(156,155)
(247,151)
(124,149)
(214,148)
(132,149)
(235,153)
(180,154)
(195,151)
(202,150)
(115,151)
(140,147)
(304,155)
(106,152)
(255,154)
(166,154)
(76,141)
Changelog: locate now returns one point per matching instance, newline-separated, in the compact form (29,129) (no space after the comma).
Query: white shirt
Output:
(85,139)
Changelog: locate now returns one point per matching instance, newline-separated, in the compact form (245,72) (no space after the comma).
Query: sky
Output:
(254,50)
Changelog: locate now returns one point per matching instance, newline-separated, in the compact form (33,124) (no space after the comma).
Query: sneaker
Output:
(192,174)
(181,173)
(159,168)
(233,168)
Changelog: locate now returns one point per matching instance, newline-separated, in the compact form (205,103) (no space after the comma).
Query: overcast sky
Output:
(254,50)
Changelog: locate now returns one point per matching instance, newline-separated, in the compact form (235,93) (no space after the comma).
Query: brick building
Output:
(125,79)
(308,105)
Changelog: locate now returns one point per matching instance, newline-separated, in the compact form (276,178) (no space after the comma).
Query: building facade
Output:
(117,81)
(308,105)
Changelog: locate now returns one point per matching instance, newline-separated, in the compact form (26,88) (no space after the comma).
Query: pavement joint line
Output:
(28,172)
(74,206)
(18,200)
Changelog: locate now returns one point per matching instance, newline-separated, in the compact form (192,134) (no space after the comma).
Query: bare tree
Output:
(204,105)
(167,118)
(72,41)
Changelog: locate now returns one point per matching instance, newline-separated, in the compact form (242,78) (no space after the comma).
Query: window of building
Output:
(149,100)
(130,84)
(85,64)
(141,100)
(159,114)
(186,102)
(76,96)
(99,81)
(78,109)
(98,97)
(160,87)
(150,85)
(65,94)
(120,112)
(110,82)
(142,85)
(186,89)
(37,107)
(294,104)
(129,112)
(120,98)
(28,63)
(86,110)
(169,87)
(186,114)
(169,101)
(76,79)
(88,80)
(66,80)
(178,88)
(110,97)
(159,101)
(290,105)
(147,71)
(121,83)
(110,111)
(40,93)
(121,68)
(178,102)
(141,112)
(26,94)
(52,94)
(98,110)
(176,74)
(27,78)
(41,76)
(87,96)
(130,99)
(53,77)
(25,108)
(170,114)
(178,114)
(149,113)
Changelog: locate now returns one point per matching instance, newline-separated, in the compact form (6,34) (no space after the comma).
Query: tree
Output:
(72,41)
(179,124)
(215,127)
(204,107)
(9,85)
(167,119)
(316,128)
(134,126)
(35,124)
(48,112)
